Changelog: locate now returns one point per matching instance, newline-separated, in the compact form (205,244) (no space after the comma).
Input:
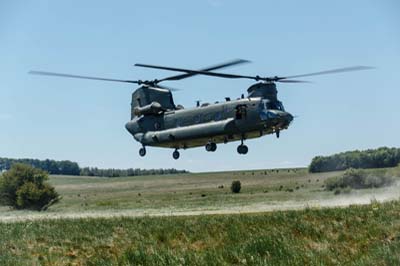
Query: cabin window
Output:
(208,117)
(197,119)
(218,116)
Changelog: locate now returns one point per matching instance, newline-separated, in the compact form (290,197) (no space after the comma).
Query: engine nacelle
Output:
(154,108)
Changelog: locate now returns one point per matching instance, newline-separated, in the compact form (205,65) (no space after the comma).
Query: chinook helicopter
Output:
(156,120)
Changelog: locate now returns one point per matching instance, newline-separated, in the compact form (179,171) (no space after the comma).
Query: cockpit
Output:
(272,105)
(274,113)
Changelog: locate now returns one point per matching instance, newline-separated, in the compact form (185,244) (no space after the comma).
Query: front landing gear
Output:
(142,151)
(211,146)
(176,154)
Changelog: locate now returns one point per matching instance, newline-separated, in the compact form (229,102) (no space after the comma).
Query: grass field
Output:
(357,235)
(109,221)
(262,190)
(185,191)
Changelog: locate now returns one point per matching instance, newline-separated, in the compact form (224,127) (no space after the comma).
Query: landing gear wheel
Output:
(211,146)
(142,151)
(277,134)
(242,149)
(245,149)
(208,147)
(175,154)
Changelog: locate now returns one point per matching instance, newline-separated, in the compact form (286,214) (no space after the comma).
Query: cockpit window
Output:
(273,105)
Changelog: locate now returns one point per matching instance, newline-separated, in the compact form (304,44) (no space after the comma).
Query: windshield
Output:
(273,105)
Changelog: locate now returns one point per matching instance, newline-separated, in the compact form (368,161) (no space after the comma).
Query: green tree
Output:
(372,158)
(25,187)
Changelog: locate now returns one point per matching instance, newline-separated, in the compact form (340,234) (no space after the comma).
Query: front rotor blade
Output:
(200,72)
(45,73)
(219,66)
(332,71)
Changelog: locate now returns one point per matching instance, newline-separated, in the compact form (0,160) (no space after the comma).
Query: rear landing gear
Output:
(211,146)
(175,154)
(142,151)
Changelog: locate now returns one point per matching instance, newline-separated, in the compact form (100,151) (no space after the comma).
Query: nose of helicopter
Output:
(278,116)
(287,117)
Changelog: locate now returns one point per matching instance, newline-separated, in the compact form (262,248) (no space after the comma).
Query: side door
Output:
(241,112)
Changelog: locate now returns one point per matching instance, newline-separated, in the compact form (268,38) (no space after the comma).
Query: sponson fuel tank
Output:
(188,132)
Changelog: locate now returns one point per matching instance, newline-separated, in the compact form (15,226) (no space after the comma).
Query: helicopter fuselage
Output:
(210,123)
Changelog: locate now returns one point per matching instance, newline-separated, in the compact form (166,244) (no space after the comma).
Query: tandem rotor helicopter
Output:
(157,121)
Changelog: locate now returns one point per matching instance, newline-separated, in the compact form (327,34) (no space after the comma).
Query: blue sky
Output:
(83,121)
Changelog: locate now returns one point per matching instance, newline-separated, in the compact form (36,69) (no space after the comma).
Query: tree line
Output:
(111,172)
(371,158)
(51,166)
(72,168)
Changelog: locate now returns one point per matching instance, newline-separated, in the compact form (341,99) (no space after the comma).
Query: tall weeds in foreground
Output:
(358,235)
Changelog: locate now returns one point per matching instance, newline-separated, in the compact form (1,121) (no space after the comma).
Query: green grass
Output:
(270,189)
(184,191)
(357,235)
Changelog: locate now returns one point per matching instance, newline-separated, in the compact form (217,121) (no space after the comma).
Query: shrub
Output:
(375,181)
(346,190)
(236,186)
(357,179)
(354,178)
(25,187)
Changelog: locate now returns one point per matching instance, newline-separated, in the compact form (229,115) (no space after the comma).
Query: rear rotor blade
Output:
(219,66)
(201,72)
(45,73)
(332,71)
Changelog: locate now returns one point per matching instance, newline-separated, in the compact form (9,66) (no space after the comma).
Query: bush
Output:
(337,191)
(236,186)
(357,179)
(25,187)
(346,190)
(354,178)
